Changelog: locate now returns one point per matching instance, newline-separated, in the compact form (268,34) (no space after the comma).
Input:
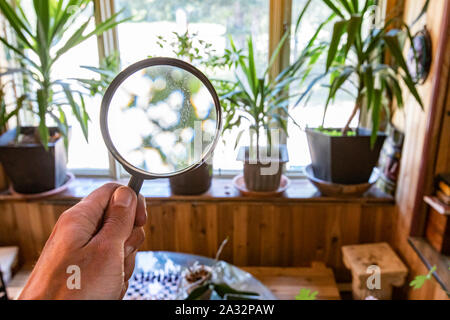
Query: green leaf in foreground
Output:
(419,281)
(305,294)
(198,292)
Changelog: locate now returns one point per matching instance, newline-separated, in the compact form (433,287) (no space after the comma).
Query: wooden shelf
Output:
(300,190)
(430,257)
(437,205)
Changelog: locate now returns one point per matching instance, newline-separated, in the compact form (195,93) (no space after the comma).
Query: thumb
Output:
(120,215)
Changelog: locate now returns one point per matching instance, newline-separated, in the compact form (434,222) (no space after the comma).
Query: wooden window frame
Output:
(280,19)
(280,12)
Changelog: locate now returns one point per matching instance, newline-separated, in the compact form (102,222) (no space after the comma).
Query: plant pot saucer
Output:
(69,179)
(331,189)
(239,183)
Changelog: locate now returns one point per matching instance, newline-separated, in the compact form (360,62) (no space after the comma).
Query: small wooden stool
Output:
(360,258)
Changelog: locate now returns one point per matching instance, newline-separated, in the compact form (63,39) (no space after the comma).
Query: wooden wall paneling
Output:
(376,225)
(437,98)
(225,222)
(153,234)
(267,237)
(183,228)
(240,235)
(349,222)
(26,239)
(443,158)
(285,236)
(298,236)
(200,232)
(9,228)
(254,238)
(416,130)
(212,230)
(260,233)
(313,232)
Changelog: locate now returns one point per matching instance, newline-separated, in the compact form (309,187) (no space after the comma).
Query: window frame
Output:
(107,43)
(280,12)
(280,19)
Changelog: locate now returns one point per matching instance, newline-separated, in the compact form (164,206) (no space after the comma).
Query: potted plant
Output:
(348,156)
(188,47)
(201,282)
(34,158)
(263,103)
(8,110)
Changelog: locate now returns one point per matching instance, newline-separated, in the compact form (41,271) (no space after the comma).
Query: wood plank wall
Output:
(261,233)
(415,127)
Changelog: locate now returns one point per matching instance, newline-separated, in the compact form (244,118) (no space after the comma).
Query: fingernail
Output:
(128,250)
(122,197)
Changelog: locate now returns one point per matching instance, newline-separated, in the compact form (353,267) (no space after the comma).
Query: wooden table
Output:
(286,283)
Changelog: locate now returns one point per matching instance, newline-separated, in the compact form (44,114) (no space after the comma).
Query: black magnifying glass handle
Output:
(136,184)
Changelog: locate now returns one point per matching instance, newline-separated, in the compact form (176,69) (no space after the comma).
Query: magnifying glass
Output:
(160,117)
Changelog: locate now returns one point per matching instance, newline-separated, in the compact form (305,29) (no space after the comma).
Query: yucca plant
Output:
(256,97)
(49,38)
(261,100)
(8,110)
(104,74)
(358,62)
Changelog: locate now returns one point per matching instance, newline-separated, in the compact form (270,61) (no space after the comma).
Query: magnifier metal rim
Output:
(115,84)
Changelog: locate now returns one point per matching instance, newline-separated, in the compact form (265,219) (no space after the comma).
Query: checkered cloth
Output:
(153,285)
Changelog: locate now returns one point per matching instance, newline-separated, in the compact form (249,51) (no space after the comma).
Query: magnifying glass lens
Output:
(162,120)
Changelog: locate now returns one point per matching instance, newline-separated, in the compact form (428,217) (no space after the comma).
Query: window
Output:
(311,114)
(84,157)
(212,21)
(69,67)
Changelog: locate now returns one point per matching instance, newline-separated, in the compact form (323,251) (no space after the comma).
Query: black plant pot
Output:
(30,168)
(263,176)
(198,181)
(344,160)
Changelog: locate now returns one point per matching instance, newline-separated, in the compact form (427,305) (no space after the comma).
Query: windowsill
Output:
(222,189)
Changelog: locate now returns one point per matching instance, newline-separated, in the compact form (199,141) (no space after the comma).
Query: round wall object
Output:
(420,56)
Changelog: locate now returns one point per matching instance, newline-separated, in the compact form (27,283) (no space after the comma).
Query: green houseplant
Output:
(38,47)
(263,103)
(8,110)
(189,47)
(255,100)
(358,62)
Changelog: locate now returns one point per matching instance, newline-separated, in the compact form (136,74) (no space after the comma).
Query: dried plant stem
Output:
(219,252)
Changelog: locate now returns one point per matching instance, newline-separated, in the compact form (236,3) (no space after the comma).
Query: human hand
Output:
(100,236)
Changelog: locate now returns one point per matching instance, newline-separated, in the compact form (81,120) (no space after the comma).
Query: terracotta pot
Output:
(263,176)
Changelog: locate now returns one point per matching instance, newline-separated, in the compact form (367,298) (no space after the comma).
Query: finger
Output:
(135,241)
(120,215)
(86,217)
(141,212)
(129,265)
(124,290)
